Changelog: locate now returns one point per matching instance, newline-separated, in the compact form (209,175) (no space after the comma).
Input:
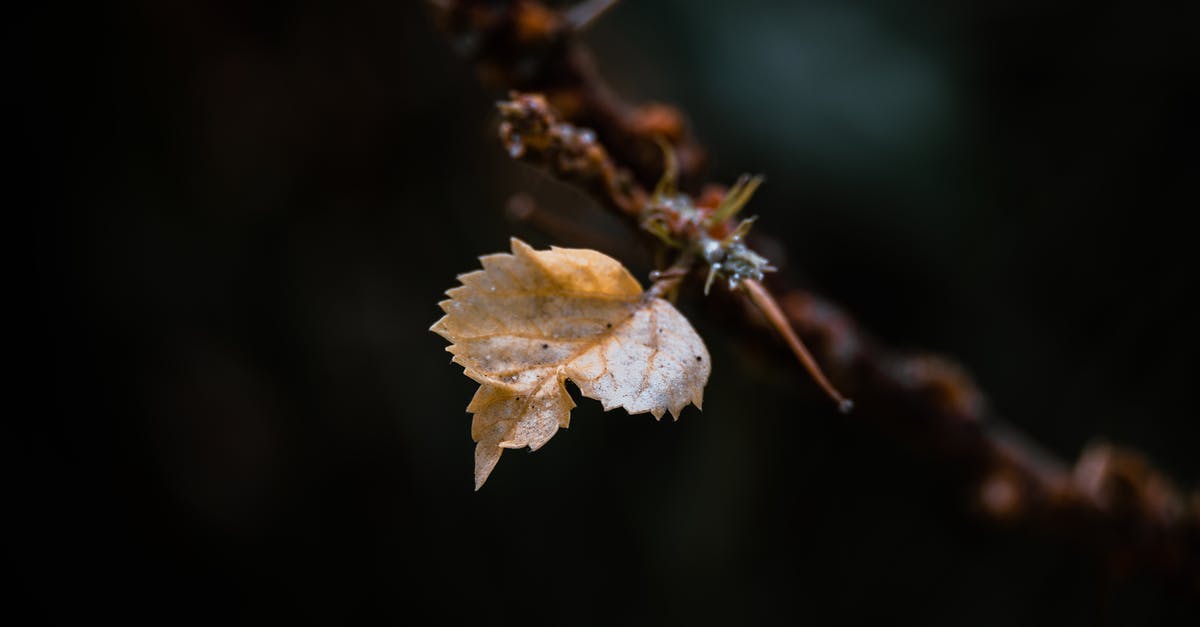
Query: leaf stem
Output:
(665,282)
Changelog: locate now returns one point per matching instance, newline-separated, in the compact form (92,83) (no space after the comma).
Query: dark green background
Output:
(245,214)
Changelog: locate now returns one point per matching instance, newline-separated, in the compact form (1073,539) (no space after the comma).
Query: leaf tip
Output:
(486,456)
(519,247)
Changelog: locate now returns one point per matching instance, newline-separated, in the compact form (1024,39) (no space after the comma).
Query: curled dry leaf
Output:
(529,321)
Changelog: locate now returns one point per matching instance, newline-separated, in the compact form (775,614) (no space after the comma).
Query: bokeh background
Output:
(246,213)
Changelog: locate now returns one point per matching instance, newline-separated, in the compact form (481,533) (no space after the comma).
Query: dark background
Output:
(244,215)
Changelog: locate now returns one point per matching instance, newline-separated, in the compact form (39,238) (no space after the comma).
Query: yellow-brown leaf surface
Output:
(530,320)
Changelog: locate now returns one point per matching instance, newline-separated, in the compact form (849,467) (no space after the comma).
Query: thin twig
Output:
(527,46)
(531,130)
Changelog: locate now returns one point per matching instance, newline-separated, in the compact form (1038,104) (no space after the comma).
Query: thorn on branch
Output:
(769,308)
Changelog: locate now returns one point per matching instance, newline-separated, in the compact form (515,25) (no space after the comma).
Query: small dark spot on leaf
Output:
(545,346)
(608,326)
(698,358)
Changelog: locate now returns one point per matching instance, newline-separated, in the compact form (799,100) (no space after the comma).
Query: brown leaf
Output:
(531,320)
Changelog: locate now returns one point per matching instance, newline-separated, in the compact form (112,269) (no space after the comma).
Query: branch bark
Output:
(1112,500)
(526,46)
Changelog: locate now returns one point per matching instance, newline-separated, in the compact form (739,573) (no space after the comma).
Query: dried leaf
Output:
(531,320)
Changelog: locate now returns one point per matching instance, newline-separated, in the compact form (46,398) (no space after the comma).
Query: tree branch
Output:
(526,46)
(1111,501)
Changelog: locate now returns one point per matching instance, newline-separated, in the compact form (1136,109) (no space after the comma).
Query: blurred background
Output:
(247,212)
